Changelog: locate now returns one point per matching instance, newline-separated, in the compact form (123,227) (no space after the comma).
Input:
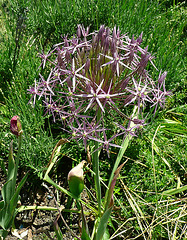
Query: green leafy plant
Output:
(75,178)
(10,193)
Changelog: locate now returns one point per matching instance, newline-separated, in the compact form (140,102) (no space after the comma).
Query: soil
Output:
(38,224)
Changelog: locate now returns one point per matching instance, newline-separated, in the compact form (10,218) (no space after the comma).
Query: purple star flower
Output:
(94,79)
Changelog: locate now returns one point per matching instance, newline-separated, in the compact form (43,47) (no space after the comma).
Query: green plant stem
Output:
(123,146)
(44,208)
(96,177)
(17,158)
(120,154)
(96,170)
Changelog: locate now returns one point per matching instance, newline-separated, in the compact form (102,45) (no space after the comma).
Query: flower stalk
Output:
(9,192)
(96,169)
(95,80)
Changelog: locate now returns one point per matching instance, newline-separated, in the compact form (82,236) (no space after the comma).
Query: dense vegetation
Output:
(156,159)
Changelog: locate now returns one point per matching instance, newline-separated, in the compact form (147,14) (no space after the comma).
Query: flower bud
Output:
(76,179)
(79,31)
(114,32)
(15,126)
(162,77)
(113,47)
(139,39)
(106,45)
(101,31)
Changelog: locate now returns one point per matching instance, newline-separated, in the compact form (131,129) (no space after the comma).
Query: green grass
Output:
(29,27)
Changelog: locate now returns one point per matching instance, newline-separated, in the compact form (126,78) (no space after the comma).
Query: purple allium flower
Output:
(93,78)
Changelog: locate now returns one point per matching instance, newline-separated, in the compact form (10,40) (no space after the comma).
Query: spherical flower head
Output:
(15,126)
(95,76)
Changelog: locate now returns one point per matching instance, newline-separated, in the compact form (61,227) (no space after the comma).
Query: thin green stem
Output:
(123,147)
(17,158)
(96,176)
(26,208)
(120,154)
(19,148)
(96,170)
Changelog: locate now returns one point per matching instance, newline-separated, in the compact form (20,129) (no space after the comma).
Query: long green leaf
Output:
(13,202)
(11,163)
(9,187)
(58,232)
(84,235)
(53,159)
(103,224)
(175,191)
(50,181)
(85,232)
(123,147)
(1,205)
(8,211)
(112,186)
(7,191)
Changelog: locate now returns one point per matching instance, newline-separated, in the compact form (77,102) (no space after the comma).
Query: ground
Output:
(36,224)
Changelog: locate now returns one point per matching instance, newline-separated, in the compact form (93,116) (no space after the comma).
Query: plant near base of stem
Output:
(93,79)
(9,191)
(76,183)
